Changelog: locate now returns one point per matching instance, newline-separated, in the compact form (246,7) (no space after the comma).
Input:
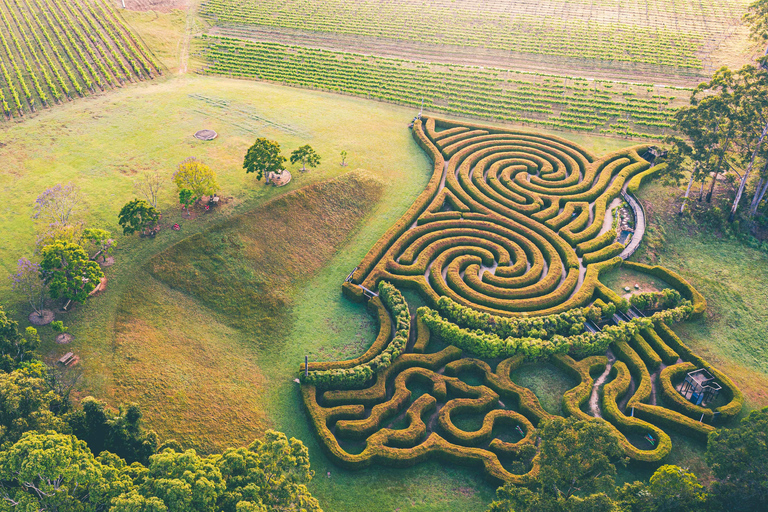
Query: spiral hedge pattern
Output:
(507,243)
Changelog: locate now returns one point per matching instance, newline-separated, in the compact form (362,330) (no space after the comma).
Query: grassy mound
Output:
(244,268)
(184,339)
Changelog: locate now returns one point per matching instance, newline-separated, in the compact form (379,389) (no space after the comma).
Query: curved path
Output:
(639,213)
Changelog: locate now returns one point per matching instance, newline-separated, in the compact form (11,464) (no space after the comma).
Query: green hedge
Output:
(344,375)
(603,254)
(639,179)
(684,287)
(732,393)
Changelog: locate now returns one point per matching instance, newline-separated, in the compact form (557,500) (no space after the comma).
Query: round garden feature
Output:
(206,134)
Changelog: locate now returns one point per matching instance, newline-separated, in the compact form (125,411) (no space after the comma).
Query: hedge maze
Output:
(506,245)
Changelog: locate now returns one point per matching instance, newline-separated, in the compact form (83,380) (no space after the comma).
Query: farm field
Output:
(52,52)
(681,36)
(536,99)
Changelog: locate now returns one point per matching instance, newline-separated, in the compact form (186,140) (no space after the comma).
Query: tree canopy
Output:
(739,459)
(69,272)
(576,470)
(264,157)
(196,176)
(137,215)
(307,156)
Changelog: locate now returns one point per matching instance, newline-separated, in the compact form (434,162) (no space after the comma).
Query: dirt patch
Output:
(64,338)
(156,5)
(46,316)
(107,262)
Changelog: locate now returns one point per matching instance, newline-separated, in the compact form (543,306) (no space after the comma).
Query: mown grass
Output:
(548,383)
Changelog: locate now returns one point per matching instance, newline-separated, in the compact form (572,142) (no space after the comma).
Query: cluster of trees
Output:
(58,457)
(723,130)
(578,468)
(193,179)
(64,264)
(264,157)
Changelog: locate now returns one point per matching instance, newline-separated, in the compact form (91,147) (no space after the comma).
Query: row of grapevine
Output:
(532,98)
(53,51)
(654,32)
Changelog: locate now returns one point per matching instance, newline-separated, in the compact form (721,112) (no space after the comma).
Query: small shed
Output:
(700,387)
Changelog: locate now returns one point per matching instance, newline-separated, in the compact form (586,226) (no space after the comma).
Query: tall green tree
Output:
(264,157)
(670,489)
(27,403)
(98,242)
(270,474)
(750,92)
(307,156)
(137,215)
(185,482)
(69,272)
(576,470)
(739,460)
(756,18)
(196,176)
(120,432)
(57,472)
(15,348)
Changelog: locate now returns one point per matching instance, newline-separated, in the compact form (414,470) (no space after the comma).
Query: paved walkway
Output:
(637,236)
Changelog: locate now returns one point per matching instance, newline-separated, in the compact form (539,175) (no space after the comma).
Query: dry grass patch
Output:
(194,379)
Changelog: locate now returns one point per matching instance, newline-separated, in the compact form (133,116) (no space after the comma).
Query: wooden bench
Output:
(68,359)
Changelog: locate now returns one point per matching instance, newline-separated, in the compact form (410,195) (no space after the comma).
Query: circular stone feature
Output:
(206,135)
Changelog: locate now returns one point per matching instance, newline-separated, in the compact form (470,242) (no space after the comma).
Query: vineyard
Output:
(655,32)
(506,246)
(53,51)
(548,101)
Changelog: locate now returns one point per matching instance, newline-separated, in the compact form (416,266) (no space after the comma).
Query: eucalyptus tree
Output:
(750,99)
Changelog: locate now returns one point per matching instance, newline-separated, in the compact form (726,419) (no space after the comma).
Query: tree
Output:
(57,232)
(149,186)
(670,489)
(269,474)
(99,241)
(575,457)
(137,215)
(27,403)
(16,348)
(186,198)
(57,472)
(739,460)
(57,203)
(27,281)
(263,158)
(196,176)
(343,158)
(307,156)
(69,272)
(185,482)
(757,19)
(751,94)
(118,432)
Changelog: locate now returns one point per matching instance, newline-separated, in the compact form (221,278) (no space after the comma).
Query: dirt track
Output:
(156,5)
